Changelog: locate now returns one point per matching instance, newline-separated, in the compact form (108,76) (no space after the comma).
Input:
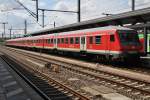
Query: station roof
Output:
(131,17)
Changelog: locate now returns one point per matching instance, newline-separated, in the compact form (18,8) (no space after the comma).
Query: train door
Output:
(83,43)
(110,44)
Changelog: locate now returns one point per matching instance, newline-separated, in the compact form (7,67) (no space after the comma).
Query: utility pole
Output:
(79,11)
(4,24)
(133,5)
(25,27)
(10,30)
(54,24)
(43,18)
(37,11)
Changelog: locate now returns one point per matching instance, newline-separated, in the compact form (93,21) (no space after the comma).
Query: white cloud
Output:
(90,9)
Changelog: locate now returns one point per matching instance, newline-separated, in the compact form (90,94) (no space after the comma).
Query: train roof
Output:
(77,31)
(91,29)
(99,29)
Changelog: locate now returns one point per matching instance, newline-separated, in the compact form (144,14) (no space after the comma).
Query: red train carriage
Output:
(111,42)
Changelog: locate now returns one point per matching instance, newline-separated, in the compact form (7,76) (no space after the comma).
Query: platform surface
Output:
(13,87)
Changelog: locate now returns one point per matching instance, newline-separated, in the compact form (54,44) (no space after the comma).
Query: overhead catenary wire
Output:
(28,10)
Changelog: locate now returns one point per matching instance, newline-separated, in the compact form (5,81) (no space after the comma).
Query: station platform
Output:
(13,87)
(146,60)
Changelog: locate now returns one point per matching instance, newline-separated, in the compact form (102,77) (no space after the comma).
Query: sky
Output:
(90,9)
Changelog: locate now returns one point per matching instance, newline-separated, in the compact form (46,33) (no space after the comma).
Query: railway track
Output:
(47,87)
(136,89)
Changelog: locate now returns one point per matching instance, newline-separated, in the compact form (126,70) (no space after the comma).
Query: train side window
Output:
(77,40)
(51,40)
(66,40)
(58,41)
(91,40)
(62,40)
(55,41)
(98,39)
(71,41)
(82,40)
(112,38)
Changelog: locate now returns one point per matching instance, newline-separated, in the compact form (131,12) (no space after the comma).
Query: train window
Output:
(58,41)
(129,38)
(82,40)
(62,40)
(51,40)
(112,38)
(66,40)
(77,40)
(71,41)
(55,41)
(91,40)
(97,39)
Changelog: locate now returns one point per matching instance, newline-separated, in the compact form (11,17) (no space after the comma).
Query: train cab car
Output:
(115,43)
(130,45)
(111,42)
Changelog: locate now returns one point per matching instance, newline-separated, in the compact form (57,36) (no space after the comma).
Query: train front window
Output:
(129,38)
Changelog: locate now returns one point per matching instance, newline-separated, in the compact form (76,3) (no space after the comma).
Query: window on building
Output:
(91,40)
(98,39)
(77,40)
(112,38)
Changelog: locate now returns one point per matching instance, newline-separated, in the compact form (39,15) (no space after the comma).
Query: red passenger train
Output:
(111,42)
